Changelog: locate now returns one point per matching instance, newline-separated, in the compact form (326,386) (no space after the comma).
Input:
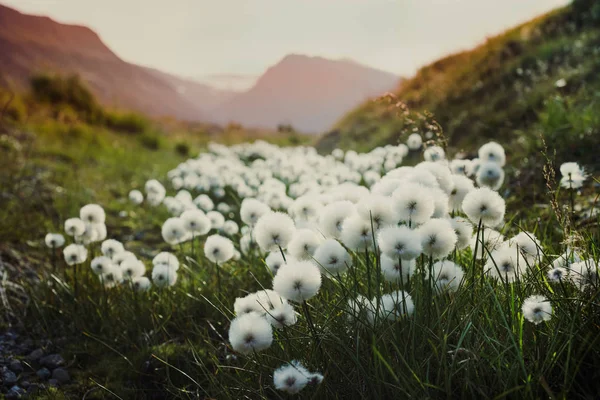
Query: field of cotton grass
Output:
(283,272)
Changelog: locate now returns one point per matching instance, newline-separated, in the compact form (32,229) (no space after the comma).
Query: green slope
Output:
(504,89)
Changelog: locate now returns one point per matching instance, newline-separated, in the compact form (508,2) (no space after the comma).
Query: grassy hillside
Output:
(60,147)
(538,78)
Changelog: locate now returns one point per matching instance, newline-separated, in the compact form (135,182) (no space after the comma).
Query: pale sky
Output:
(199,37)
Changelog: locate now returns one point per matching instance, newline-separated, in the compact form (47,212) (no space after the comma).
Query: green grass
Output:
(173,342)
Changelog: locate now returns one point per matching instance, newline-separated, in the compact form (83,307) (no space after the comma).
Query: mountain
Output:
(230,82)
(205,97)
(33,44)
(539,78)
(309,93)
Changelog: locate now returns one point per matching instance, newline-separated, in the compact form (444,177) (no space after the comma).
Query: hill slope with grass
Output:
(538,78)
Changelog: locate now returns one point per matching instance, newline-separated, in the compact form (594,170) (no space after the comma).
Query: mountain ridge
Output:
(323,90)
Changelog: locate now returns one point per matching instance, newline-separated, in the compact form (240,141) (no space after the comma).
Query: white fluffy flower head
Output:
(484,205)
(297,281)
(332,257)
(250,332)
(274,230)
(218,249)
(400,242)
(537,309)
(54,240)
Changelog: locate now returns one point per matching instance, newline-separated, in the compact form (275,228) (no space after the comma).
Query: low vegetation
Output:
(538,80)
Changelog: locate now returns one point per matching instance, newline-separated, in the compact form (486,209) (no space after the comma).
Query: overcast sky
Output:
(199,37)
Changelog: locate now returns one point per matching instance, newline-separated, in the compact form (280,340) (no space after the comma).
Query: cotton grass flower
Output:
(111,247)
(434,153)
(275,260)
(460,167)
(136,197)
(413,203)
(463,230)
(75,254)
(333,215)
(397,270)
(261,302)
(167,259)
(101,265)
(217,220)
(537,309)
(304,244)
(440,202)
(491,239)
(437,238)
(274,231)
(196,222)
(92,214)
(441,172)
(218,249)
(396,305)
(119,258)
(573,175)
(378,209)
(446,276)
(230,228)
(484,205)
(557,274)
(462,186)
(400,242)
(528,245)
(297,281)
(141,284)
(305,208)
(174,231)
(492,152)
(164,276)
(204,203)
(250,332)
(132,268)
(111,278)
(332,257)
(291,378)
(357,233)
(506,264)
(74,227)
(584,274)
(54,240)
(282,315)
(490,175)
(251,210)
(247,304)
(414,141)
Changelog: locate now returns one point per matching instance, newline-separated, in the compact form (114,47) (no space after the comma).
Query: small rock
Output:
(35,355)
(15,392)
(9,378)
(52,361)
(43,373)
(53,382)
(61,375)
(16,366)
(25,384)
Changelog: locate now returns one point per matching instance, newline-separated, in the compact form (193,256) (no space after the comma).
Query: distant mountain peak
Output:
(308,92)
